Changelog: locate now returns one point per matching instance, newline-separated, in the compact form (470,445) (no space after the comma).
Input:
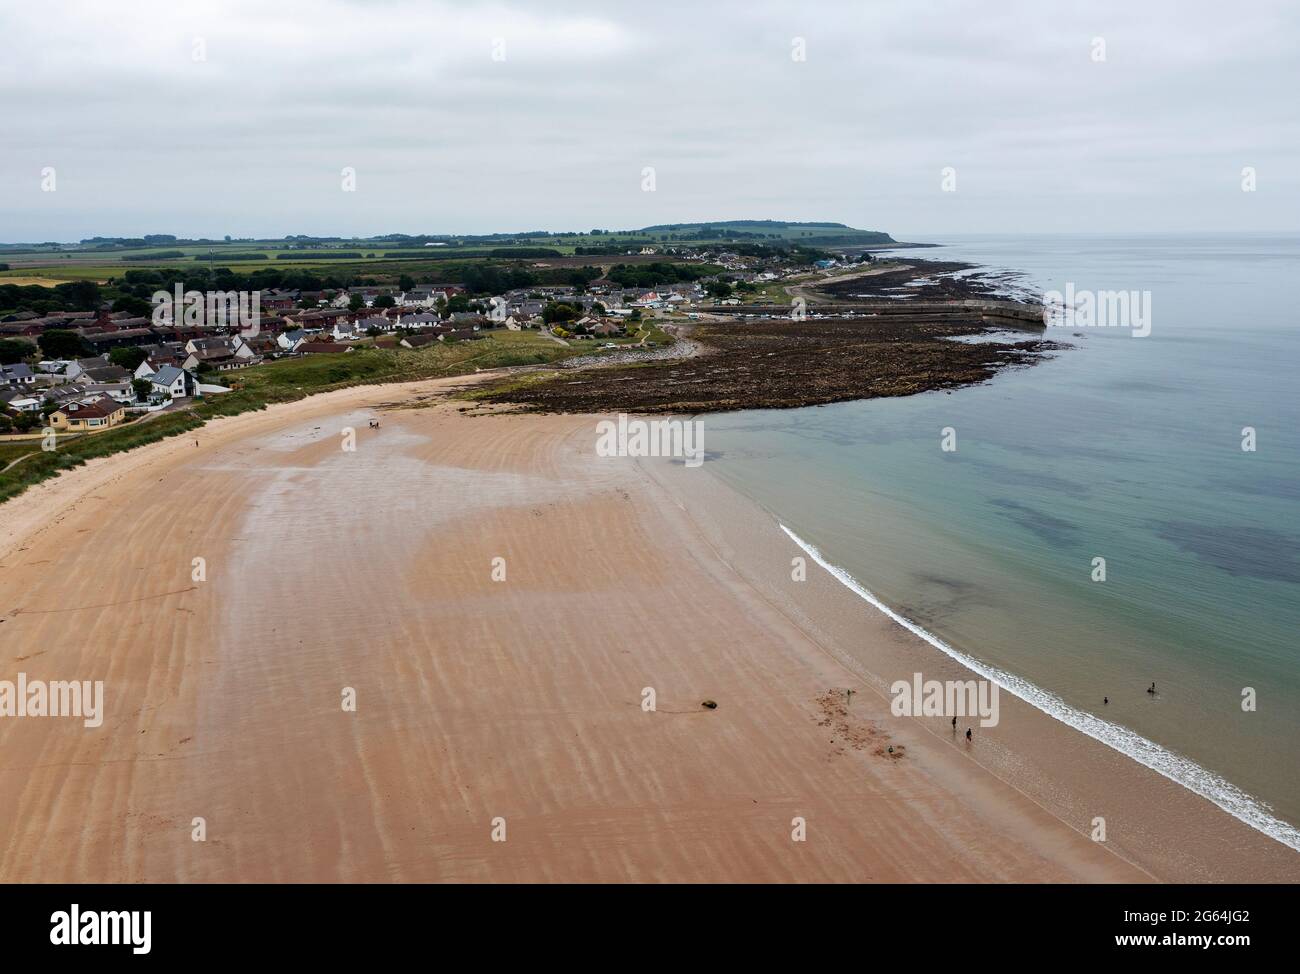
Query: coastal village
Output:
(131,365)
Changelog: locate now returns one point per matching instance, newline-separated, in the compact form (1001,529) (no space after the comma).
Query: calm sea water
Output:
(1122,448)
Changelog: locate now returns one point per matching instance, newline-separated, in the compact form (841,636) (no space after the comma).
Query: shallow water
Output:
(1122,448)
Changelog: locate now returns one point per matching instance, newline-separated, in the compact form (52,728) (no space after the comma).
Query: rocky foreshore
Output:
(831,350)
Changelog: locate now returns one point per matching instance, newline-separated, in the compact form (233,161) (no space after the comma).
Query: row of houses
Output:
(175,354)
(419,296)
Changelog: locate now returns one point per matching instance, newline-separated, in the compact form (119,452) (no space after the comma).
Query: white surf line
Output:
(1178,769)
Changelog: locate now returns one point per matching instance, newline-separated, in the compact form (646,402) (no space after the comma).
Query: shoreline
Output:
(1183,771)
(506,480)
(1073,775)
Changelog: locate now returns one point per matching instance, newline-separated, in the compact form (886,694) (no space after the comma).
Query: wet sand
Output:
(512,704)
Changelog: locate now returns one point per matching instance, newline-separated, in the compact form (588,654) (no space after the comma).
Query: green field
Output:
(391,257)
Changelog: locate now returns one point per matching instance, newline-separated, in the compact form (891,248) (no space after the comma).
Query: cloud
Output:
(554,130)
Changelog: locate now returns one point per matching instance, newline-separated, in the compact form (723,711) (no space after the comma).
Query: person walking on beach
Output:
(967,735)
(1106,701)
(954,723)
(848,695)
(1152,689)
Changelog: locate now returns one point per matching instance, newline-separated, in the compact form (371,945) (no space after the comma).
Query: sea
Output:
(1122,514)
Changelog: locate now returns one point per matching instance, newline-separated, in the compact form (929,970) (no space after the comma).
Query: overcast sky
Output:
(238,117)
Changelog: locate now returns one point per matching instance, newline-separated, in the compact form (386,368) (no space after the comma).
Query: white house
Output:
(423,320)
(117,391)
(290,340)
(243,350)
(170,381)
(20,400)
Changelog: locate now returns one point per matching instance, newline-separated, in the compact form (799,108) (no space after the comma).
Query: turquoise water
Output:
(1127,449)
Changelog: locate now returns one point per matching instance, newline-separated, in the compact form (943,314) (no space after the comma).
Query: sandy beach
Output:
(507,707)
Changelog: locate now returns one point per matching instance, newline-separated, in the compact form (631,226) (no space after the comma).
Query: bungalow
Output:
(20,400)
(261,345)
(342,330)
(420,296)
(213,359)
(418,341)
(319,348)
(216,353)
(77,369)
(105,373)
(156,356)
(87,414)
(244,351)
(17,374)
(290,340)
(526,309)
(468,319)
(65,394)
(422,320)
(121,392)
(224,343)
(376,322)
